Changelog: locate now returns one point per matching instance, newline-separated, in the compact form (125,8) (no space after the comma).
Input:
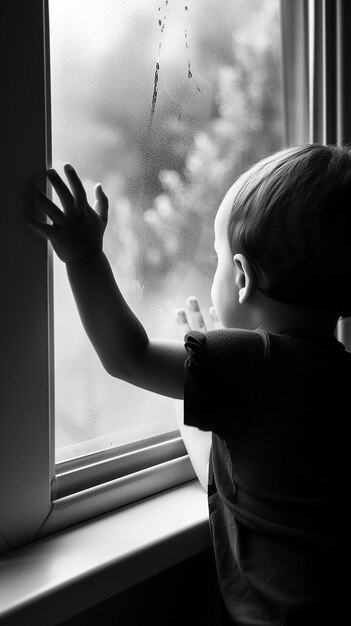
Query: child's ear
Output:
(245,276)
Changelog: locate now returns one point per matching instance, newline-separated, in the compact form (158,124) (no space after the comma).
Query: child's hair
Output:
(292,218)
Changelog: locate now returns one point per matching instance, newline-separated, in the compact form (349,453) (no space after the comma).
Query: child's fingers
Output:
(182,322)
(76,185)
(101,202)
(214,318)
(45,230)
(62,190)
(196,315)
(48,207)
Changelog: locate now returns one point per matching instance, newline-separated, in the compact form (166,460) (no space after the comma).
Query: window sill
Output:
(70,571)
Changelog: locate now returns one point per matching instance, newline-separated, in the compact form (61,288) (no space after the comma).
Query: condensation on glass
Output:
(165,103)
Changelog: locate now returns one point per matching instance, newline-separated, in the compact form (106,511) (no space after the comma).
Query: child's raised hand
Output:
(77,230)
(196,318)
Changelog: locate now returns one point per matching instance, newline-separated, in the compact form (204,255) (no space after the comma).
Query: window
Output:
(36,497)
(165,103)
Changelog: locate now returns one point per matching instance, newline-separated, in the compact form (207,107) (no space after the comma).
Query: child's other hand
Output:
(196,318)
(77,230)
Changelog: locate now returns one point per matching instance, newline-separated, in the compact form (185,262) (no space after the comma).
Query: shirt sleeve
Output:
(222,376)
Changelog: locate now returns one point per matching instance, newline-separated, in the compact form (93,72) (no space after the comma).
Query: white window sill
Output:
(72,570)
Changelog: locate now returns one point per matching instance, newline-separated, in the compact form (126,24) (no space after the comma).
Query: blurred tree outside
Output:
(164,187)
(246,126)
(194,155)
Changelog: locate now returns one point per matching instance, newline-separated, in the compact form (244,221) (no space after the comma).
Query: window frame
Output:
(317,99)
(26,452)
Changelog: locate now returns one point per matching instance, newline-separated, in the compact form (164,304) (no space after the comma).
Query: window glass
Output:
(165,103)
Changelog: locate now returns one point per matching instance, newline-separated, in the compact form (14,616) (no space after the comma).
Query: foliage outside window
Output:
(165,103)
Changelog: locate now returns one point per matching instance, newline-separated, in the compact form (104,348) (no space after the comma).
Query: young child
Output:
(270,389)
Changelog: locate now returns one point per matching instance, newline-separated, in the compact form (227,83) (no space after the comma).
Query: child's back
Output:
(280,472)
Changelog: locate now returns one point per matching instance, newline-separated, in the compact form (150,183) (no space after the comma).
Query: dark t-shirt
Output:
(279,491)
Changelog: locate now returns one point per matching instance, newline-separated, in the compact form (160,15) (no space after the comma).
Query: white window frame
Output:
(317,80)
(34,499)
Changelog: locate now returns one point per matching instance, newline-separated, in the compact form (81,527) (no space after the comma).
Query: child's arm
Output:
(117,335)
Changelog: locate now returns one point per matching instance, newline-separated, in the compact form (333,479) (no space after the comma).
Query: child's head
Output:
(290,217)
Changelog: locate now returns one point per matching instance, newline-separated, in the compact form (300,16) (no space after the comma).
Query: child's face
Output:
(225,291)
